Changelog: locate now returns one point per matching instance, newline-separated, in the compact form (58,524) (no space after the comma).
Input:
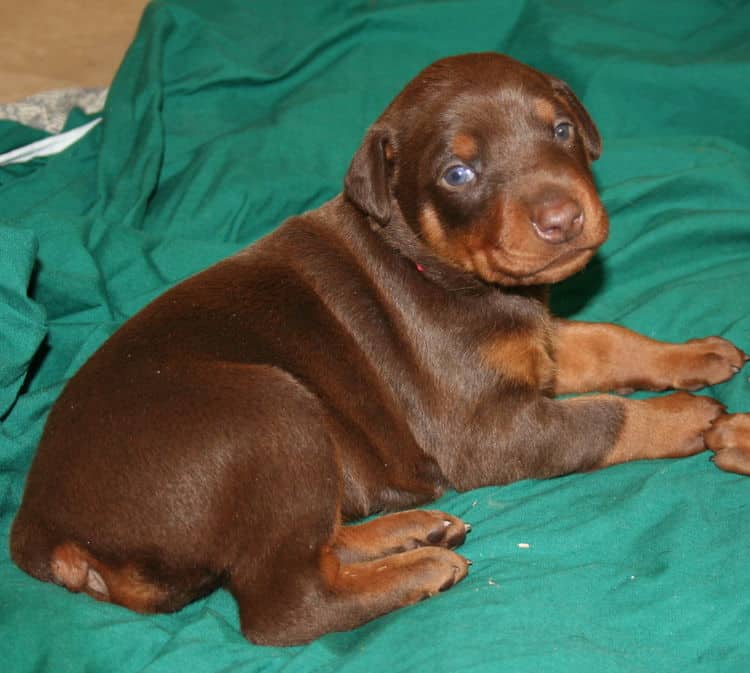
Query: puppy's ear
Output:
(367,181)
(591,138)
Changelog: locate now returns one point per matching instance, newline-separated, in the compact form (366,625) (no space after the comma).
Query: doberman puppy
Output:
(364,357)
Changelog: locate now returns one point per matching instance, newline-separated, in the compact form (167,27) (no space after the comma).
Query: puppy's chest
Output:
(521,354)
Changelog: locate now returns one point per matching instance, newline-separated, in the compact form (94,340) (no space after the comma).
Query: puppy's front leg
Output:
(539,437)
(605,357)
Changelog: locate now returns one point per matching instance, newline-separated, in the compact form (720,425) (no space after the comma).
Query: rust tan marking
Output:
(389,152)
(522,357)
(330,565)
(432,228)
(455,250)
(77,570)
(129,588)
(464,147)
(395,533)
(545,110)
(661,427)
(729,438)
(600,357)
(401,578)
(435,236)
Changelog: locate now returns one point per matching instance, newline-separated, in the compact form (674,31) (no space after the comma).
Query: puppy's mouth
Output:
(497,266)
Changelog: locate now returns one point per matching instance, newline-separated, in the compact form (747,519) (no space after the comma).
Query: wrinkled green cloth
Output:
(226,117)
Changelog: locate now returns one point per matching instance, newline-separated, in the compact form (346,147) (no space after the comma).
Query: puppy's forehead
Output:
(507,100)
(478,89)
(467,119)
(485,73)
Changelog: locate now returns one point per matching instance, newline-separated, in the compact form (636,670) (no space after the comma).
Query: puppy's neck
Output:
(407,243)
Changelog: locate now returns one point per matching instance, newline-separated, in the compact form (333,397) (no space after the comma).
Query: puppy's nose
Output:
(557,218)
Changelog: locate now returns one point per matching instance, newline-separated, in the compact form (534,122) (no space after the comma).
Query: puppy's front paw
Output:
(672,426)
(682,422)
(705,362)
(729,439)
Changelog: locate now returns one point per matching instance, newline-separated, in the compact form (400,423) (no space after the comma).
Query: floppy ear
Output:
(591,138)
(366,182)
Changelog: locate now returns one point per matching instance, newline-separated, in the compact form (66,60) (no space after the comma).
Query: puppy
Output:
(363,357)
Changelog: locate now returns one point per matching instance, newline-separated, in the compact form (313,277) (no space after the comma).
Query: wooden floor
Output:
(54,44)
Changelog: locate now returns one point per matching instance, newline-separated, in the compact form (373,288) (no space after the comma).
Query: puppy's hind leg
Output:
(294,571)
(319,594)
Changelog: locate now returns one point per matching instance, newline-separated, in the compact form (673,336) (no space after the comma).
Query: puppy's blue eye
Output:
(563,131)
(456,176)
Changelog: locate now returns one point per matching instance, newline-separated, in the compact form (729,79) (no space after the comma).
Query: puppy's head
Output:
(487,162)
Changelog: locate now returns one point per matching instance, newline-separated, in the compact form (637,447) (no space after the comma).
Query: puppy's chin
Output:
(498,271)
(499,267)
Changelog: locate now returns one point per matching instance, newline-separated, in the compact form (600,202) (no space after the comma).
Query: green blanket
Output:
(226,117)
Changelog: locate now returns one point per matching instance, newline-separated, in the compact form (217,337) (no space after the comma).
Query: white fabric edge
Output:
(47,146)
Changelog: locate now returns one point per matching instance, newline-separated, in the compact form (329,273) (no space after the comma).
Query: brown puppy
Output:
(363,357)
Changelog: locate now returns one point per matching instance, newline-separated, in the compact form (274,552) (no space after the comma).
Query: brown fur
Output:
(363,357)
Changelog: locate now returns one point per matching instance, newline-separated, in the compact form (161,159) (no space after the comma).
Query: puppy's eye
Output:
(563,131)
(459,175)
